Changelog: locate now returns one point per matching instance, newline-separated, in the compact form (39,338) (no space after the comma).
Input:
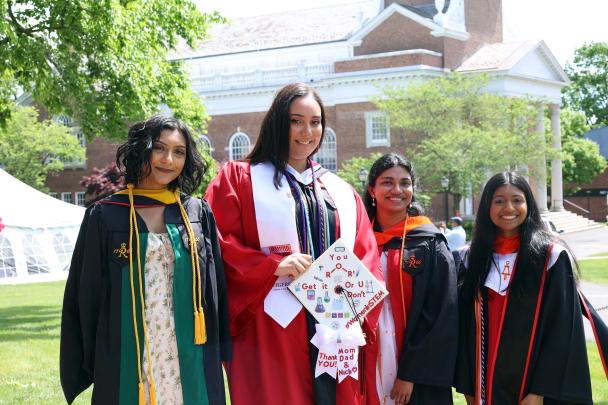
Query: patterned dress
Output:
(160,323)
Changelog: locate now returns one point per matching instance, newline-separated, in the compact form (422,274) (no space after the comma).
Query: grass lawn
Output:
(595,270)
(29,342)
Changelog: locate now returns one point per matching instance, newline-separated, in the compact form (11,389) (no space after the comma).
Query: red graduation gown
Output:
(271,364)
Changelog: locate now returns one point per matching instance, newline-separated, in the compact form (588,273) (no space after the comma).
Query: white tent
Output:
(39,235)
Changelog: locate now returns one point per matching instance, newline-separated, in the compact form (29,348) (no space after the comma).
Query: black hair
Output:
(383,163)
(133,156)
(273,142)
(535,240)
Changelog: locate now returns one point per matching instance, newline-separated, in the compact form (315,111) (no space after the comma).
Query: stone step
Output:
(570,222)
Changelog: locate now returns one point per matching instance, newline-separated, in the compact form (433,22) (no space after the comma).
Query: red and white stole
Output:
(275,213)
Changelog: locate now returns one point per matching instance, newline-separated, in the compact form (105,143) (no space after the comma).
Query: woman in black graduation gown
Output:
(522,338)
(418,327)
(152,327)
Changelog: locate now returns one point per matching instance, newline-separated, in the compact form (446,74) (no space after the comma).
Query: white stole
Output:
(275,213)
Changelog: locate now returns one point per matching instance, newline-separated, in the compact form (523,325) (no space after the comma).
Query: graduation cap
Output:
(338,290)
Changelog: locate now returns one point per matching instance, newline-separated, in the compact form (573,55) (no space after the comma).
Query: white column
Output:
(541,176)
(557,189)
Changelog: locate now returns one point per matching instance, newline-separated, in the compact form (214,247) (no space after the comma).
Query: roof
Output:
(516,56)
(599,136)
(25,207)
(285,29)
(499,56)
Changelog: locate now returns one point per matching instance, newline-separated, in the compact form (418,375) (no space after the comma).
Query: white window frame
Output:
(328,153)
(231,146)
(370,118)
(80,198)
(64,196)
(205,141)
(54,195)
(63,248)
(8,268)
(77,132)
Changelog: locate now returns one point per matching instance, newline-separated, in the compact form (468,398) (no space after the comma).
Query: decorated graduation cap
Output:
(338,290)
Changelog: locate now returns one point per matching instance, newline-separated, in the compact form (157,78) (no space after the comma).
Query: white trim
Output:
(449,33)
(80,194)
(231,145)
(393,53)
(64,194)
(204,138)
(370,116)
(385,14)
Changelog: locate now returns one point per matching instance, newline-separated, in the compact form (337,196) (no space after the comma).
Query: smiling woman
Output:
(519,291)
(277,211)
(136,280)
(418,324)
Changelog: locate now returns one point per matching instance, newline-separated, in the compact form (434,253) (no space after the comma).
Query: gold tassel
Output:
(202,326)
(197,329)
(142,394)
(152,394)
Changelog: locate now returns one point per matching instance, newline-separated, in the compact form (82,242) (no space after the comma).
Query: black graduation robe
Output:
(97,335)
(553,345)
(427,342)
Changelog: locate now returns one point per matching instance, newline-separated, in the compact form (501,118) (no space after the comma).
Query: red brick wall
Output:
(398,33)
(387,62)
(99,153)
(597,205)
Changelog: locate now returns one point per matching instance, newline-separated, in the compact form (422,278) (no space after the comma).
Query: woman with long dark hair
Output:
(145,317)
(277,211)
(418,327)
(522,338)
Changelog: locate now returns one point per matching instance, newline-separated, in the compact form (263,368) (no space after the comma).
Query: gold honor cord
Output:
(401,270)
(133,224)
(200,330)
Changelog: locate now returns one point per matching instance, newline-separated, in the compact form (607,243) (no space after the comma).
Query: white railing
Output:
(262,77)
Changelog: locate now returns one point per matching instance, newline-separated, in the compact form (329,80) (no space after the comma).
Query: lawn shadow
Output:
(30,321)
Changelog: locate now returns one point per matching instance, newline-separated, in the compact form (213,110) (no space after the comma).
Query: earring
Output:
(373,201)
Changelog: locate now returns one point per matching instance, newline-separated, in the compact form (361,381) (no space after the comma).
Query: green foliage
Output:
(349,171)
(581,157)
(102,63)
(588,90)
(463,132)
(32,149)
(212,169)
(582,161)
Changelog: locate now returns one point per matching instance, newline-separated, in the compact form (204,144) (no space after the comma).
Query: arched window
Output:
(205,143)
(63,249)
(7,259)
(238,146)
(327,154)
(34,255)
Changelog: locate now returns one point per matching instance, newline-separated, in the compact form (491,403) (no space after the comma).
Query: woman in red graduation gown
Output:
(417,332)
(276,212)
(522,338)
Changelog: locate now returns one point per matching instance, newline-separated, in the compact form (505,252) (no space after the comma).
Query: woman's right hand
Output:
(293,265)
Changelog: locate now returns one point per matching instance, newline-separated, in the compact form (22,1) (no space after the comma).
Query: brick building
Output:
(348,52)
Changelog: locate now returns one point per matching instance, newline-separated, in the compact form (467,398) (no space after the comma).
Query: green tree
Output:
(581,157)
(31,149)
(459,131)
(103,63)
(588,91)
(349,171)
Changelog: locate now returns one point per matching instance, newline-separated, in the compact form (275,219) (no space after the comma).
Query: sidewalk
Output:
(598,296)
(586,243)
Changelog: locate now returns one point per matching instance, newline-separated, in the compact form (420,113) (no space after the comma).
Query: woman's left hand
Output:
(532,399)
(402,391)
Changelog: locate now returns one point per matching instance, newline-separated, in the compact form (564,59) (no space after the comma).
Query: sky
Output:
(561,25)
